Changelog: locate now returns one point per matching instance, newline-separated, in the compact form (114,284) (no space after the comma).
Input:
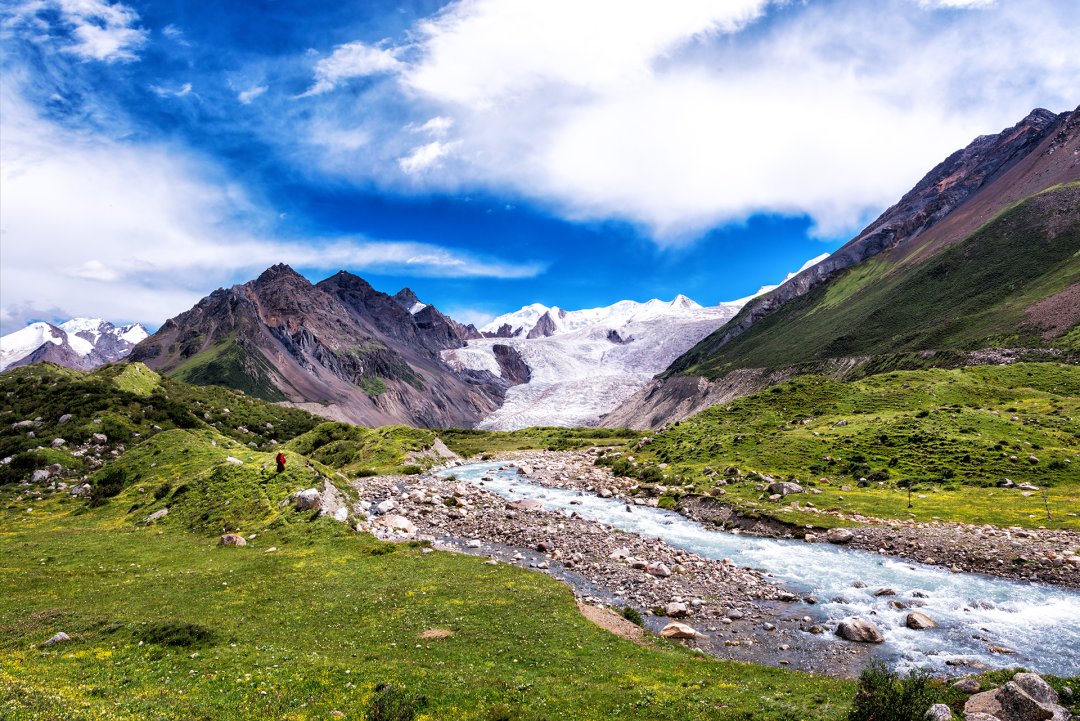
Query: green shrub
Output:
(391,703)
(882,695)
(651,474)
(632,615)
(173,633)
(108,484)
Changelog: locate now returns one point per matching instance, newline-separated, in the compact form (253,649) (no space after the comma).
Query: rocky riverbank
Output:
(1044,555)
(736,613)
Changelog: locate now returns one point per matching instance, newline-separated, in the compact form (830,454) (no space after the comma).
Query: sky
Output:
(487,154)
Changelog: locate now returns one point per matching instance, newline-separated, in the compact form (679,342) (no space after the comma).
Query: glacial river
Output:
(1040,623)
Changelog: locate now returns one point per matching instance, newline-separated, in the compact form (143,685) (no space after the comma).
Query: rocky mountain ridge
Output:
(338,348)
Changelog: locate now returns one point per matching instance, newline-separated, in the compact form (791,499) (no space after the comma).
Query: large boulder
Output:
(785,488)
(328,502)
(676,609)
(1036,687)
(919,621)
(839,535)
(859,630)
(394,522)
(1018,705)
(678,630)
(307,500)
(985,702)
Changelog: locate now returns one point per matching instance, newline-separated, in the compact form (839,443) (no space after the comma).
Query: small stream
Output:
(1040,623)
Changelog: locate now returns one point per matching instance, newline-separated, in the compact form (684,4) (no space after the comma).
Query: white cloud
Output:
(246,96)
(681,116)
(353,60)
(98,30)
(956,4)
(426,156)
(436,127)
(95,227)
(163,92)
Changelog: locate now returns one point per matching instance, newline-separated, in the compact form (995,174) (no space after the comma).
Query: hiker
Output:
(280,462)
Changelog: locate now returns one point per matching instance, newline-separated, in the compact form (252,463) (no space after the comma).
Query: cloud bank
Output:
(92,226)
(681,117)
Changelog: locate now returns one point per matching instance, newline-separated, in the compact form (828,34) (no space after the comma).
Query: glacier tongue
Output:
(581,372)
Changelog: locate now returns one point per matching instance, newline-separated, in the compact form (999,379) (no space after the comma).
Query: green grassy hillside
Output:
(952,435)
(973,294)
(310,617)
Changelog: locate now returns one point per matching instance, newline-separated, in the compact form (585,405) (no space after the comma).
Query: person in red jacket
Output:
(280,462)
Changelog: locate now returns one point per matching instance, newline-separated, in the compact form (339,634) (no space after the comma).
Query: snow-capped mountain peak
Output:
(523,322)
(81,343)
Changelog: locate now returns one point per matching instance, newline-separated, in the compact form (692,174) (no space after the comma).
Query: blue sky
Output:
(486,153)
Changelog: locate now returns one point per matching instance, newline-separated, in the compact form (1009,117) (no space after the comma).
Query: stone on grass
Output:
(938,712)
(785,488)
(232,539)
(58,638)
(967,685)
(156,515)
(859,630)
(307,499)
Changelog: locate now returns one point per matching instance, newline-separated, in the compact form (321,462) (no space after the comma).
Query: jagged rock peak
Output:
(279,273)
(406,298)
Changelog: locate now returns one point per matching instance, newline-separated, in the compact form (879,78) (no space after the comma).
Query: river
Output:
(1040,623)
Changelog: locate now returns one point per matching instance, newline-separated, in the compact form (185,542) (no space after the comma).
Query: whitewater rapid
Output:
(1040,623)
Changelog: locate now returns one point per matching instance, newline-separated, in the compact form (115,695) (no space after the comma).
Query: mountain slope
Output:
(340,349)
(981,254)
(80,343)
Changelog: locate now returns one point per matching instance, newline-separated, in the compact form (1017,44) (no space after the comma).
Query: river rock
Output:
(386,506)
(676,610)
(606,493)
(525,504)
(859,630)
(657,569)
(839,535)
(938,712)
(919,621)
(678,630)
(232,539)
(394,522)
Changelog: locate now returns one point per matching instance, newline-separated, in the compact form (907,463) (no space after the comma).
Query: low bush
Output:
(392,703)
(883,695)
